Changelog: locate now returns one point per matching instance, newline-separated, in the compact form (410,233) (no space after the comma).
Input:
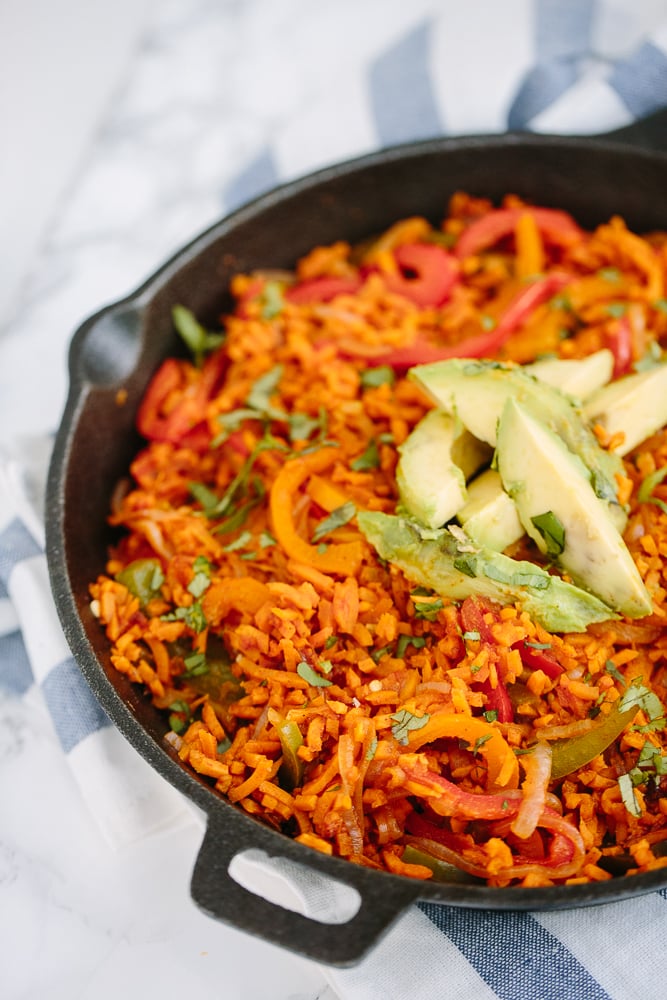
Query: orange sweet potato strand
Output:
(322,635)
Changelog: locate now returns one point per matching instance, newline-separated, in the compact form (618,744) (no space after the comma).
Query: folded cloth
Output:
(401,72)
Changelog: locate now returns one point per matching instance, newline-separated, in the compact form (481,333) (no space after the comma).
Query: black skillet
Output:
(119,348)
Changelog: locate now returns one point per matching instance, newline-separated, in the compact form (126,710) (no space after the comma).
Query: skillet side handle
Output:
(645,133)
(215,891)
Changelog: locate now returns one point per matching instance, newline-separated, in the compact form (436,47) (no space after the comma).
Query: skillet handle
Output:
(383,898)
(647,133)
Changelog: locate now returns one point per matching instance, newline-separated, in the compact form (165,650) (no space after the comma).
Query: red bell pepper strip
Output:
(497,698)
(483,345)
(322,289)
(539,659)
(184,424)
(426,275)
(554,225)
(448,799)
(619,342)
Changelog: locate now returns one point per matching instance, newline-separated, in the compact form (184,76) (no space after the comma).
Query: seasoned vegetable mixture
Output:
(392,560)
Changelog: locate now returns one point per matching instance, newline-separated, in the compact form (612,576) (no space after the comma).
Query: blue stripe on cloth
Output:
(404,107)
(562,39)
(74,710)
(16,544)
(258,176)
(563,28)
(641,80)
(515,955)
(15,670)
(3,590)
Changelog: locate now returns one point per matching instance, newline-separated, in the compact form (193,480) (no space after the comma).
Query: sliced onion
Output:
(537,765)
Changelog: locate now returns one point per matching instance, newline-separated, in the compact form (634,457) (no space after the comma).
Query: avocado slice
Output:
(489,515)
(560,511)
(435,461)
(447,561)
(635,404)
(476,392)
(578,377)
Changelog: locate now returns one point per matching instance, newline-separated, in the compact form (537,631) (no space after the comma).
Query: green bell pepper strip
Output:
(143,578)
(291,769)
(570,754)
(443,871)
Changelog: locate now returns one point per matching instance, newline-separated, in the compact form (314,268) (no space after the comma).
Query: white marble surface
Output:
(146,110)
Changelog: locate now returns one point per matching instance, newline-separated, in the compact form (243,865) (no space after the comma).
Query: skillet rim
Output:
(133,307)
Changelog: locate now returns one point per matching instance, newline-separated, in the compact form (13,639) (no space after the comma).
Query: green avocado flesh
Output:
(476,393)
(451,564)
(550,488)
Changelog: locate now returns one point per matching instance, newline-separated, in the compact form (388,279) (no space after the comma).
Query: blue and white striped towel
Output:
(269,93)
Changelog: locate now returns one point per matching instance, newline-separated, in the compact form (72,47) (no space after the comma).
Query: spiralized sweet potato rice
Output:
(392,560)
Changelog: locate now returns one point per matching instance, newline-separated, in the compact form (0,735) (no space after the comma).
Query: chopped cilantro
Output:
(193,617)
(552,531)
(617,309)
(196,665)
(472,635)
(491,715)
(371,378)
(272,300)
(628,796)
(370,753)
(306,672)
(466,565)
(199,340)
(336,519)
(480,741)
(239,543)
(645,492)
(405,722)
(370,459)
(409,640)
(613,671)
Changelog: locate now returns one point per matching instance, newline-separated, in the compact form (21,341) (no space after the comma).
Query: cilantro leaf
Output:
(405,722)
(306,672)
(196,337)
(336,519)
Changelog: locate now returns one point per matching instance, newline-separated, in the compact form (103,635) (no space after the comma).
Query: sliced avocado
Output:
(447,561)
(435,461)
(489,515)
(561,513)
(476,392)
(578,377)
(635,404)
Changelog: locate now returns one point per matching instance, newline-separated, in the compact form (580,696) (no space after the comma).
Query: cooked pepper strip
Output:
(426,273)
(500,759)
(321,289)
(481,345)
(571,754)
(554,225)
(342,558)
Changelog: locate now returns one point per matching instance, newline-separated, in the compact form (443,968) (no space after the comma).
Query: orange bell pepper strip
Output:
(244,594)
(500,758)
(341,559)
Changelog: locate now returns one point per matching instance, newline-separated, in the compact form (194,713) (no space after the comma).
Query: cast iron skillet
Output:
(120,347)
